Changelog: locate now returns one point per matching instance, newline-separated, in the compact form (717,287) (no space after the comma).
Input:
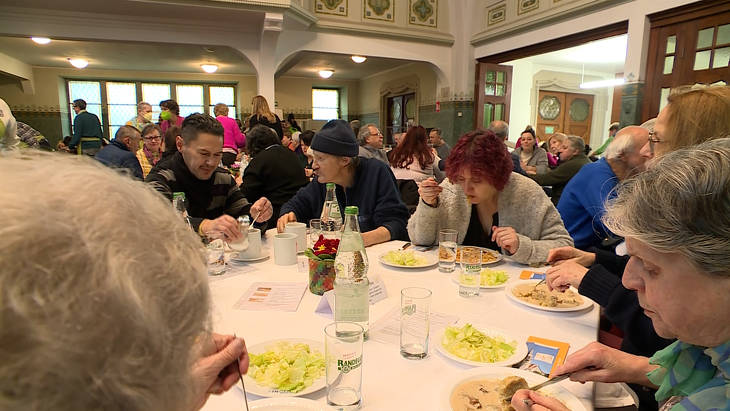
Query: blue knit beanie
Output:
(336,138)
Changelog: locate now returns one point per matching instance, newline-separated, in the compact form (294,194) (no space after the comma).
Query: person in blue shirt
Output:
(582,203)
(363,182)
(120,153)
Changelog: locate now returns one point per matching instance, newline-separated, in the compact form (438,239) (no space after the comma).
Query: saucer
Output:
(249,260)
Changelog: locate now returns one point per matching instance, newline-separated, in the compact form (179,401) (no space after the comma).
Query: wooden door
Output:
(401,110)
(578,114)
(550,113)
(688,45)
(492,93)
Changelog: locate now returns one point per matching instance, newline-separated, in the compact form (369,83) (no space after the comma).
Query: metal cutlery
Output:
(240,376)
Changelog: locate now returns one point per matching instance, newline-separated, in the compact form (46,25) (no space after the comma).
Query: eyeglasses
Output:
(376,134)
(150,138)
(653,140)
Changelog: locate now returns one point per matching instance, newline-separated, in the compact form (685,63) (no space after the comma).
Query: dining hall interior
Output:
(570,150)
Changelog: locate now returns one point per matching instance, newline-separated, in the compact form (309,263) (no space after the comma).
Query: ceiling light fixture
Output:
(41,40)
(358,59)
(603,83)
(78,63)
(209,68)
(326,73)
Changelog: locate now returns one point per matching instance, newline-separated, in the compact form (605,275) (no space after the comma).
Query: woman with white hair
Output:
(674,217)
(102,310)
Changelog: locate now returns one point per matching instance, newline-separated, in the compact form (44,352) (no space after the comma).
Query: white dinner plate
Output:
(491,373)
(455,278)
(520,349)
(430,260)
(587,302)
(285,404)
(254,388)
(235,257)
(495,254)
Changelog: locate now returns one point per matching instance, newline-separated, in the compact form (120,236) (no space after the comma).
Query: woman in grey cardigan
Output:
(488,204)
(533,159)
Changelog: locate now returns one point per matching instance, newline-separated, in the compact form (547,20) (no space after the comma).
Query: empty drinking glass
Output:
(315,229)
(343,360)
(415,322)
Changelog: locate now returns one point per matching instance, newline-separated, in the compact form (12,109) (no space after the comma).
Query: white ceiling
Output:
(605,55)
(308,64)
(126,55)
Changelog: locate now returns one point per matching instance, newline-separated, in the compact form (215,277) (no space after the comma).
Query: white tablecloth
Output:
(390,382)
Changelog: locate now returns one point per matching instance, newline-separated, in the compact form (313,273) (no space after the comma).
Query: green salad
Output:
(287,366)
(471,344)
(492,277)
(403,257)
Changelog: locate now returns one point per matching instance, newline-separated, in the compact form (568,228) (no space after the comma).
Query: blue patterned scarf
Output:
(700,375)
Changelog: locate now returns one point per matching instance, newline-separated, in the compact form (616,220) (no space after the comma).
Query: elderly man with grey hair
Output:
(371,143)
(120,153)
(583,200)
(501,129)
(572,158)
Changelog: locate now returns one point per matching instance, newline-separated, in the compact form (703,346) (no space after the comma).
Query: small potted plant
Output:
(235,169)
(322,264)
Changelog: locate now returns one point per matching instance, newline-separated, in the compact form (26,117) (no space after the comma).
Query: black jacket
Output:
(117,155)
(253,120)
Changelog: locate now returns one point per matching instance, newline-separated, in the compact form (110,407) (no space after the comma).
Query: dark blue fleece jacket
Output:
(374,192)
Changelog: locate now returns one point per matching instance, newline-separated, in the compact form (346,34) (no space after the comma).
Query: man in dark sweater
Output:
(363,182)
(572,158)
(87,130)
(120,152)
(213,198)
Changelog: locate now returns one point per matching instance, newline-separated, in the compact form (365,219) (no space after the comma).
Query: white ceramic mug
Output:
(254,245)
(285,249)
(300,229)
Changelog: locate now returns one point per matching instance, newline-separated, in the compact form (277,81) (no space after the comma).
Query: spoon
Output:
(240,376)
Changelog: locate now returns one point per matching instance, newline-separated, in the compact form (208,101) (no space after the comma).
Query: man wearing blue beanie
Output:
(366,183)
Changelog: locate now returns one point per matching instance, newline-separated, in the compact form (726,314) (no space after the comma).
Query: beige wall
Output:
(421,74)
(294,95)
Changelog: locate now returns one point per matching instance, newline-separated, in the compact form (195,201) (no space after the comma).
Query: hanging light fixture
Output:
(78,63)
(359,59)
(327,73)
(41,40)
(209,68)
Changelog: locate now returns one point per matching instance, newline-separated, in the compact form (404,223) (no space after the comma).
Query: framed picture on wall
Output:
(336,7)
(383,10)
(497,14)
(423,12)
(526,6)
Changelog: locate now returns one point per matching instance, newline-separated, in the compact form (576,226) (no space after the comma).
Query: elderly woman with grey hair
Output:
(102,311)
(675,220)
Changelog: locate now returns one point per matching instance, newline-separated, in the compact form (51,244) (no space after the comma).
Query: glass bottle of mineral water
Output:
(351,279)
(331,217)
(178,204)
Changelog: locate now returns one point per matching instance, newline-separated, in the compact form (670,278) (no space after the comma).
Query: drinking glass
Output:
(343,361)
(447,250)
(216,257)
(471,267)
(415,312)
(315,229)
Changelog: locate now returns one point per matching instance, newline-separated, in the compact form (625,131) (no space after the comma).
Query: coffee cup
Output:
(300,229)
(254,245)
(285,249)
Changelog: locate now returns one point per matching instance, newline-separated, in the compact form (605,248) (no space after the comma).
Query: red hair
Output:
(412,147)
(484,154)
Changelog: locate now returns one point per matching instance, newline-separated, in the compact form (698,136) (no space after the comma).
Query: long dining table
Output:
(389,381)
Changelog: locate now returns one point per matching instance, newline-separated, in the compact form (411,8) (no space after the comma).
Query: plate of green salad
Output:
(408,259)
(488,278)
(480,345)
(286,368)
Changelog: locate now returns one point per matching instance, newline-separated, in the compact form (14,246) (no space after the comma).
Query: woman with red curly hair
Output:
(413,159)
(488,204)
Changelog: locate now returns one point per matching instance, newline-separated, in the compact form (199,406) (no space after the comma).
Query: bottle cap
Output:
(330,185)
(178,194)
(351,210)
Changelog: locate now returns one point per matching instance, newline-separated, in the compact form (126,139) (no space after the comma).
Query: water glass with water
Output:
(471,267)
(415,322)
(216,257)
(343,361)
(447,250)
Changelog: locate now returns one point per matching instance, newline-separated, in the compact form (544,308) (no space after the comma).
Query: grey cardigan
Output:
(538,230)
(538,159)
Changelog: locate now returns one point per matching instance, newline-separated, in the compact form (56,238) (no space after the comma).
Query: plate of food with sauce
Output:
(535,294)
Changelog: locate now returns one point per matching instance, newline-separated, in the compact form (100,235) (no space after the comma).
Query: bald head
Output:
(624,150)
(500,128)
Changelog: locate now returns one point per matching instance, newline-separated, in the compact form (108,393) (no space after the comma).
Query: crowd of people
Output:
(662,188)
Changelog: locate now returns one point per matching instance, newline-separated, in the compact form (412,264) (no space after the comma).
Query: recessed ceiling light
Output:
(603,83)
(326,73)
(359,59)
(78,63)
(41,40)
(209,68)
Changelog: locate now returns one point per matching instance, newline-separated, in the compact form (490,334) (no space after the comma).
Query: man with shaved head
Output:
(582,202)
(501,130)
